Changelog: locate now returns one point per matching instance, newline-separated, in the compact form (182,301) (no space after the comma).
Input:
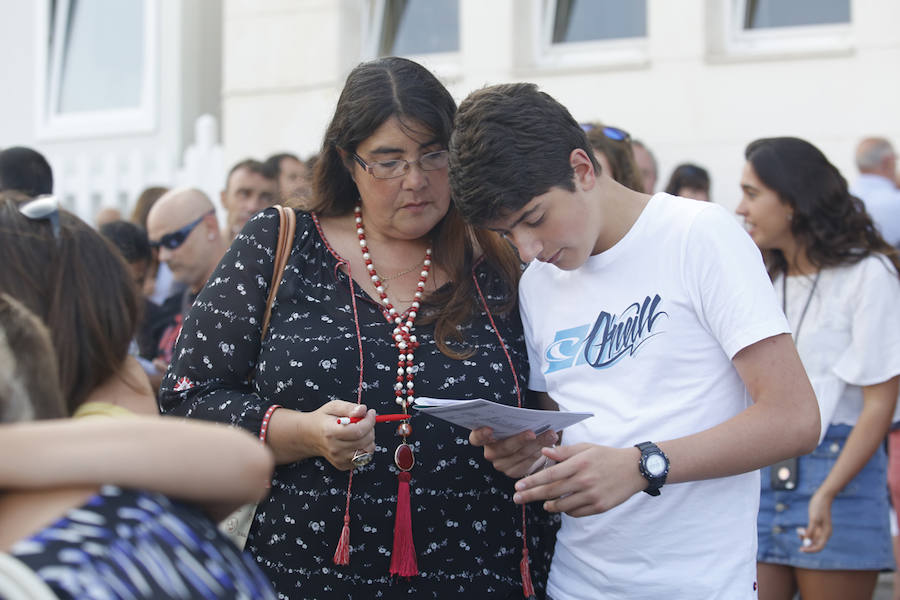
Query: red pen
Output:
(378,419)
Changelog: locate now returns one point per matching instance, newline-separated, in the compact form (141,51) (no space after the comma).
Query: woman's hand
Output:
(817,532)
(515,456)
(295,435)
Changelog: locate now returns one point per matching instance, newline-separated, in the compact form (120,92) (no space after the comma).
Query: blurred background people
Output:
(107,214)
(823,521)
(132,243)
(612,147)
(250,187)
(647,164)
(876,186)
(294,177)
(160,284)
(25,170)
(182,225)
(689,181)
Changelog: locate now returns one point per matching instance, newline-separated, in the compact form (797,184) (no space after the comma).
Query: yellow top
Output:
(101,409)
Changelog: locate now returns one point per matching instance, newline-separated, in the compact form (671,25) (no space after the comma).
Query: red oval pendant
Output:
(404,458)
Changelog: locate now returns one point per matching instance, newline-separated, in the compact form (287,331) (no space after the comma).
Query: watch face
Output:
(655,464)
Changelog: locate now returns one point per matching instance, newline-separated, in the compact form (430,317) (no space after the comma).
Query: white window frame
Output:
(445,65)
(781,41)
(50,123)
(618,53)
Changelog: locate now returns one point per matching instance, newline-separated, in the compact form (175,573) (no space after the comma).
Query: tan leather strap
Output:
(286,226)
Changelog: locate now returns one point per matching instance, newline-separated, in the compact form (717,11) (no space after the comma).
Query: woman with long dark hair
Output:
(823,522)
(387,295)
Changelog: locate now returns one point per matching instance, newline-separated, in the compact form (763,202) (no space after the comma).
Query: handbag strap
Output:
(286,224)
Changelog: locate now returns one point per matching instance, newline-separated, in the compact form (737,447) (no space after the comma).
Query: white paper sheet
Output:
(504,420)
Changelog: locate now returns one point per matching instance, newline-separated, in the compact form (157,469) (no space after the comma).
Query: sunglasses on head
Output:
(43,208)
(176,238)
(613,133)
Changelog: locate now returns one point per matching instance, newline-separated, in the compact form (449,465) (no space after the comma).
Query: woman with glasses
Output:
(387,295)
(612,147)
(81,539)
(823,520)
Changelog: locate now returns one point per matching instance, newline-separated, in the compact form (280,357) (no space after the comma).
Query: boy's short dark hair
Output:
(511,143)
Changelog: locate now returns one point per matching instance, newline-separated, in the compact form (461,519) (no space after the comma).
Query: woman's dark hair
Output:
(829,223)
(619,154)
(78,285)
(688,175)
(396,87)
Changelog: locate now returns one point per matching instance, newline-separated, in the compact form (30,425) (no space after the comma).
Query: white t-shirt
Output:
(850,336)
(642,335)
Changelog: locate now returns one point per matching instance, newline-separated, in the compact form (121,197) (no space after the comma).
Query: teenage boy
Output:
(656,314)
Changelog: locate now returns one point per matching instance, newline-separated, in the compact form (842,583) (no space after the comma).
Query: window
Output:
(750,29)
(577,34)
(425,30)
(760,14)
(584,21)
(98,59)
(415,27)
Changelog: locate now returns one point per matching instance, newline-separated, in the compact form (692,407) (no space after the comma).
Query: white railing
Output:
(87,183)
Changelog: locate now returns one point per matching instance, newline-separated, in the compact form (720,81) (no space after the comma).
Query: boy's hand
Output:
(589,479)
(515,456)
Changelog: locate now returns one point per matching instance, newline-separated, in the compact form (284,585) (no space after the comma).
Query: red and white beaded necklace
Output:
(403,558)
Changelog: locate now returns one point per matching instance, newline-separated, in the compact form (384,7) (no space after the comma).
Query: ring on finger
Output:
(361,458)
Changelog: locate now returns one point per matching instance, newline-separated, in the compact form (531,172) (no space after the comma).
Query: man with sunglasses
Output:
(182,225)
(655,313)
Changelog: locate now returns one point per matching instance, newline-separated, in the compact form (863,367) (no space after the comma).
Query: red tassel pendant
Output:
(527,587)
(403,556)
(342,554)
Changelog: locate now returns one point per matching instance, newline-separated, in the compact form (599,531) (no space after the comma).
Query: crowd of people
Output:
(159,372)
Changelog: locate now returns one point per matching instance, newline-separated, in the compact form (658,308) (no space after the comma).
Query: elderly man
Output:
(250,187)
(876,186)
(182,224)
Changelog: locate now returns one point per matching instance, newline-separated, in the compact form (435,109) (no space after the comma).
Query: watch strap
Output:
(654,482)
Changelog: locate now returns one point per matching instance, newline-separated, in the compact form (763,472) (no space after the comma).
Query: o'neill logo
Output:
(609,340)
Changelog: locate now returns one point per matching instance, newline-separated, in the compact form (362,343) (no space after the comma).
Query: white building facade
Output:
(696,80)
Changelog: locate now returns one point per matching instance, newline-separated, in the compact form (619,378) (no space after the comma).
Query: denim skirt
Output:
(861,534)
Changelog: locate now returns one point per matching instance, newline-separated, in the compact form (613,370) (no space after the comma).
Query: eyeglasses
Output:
(389,169)
(613,133)
(43,208)
(176,238)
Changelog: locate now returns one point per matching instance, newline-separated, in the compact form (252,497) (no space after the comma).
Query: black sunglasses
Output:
(176,238)
(43,208)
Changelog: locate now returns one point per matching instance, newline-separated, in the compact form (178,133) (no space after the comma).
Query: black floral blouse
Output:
(467,531)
